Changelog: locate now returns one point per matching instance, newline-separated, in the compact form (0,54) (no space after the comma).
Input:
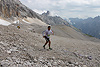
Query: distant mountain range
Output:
(89,26)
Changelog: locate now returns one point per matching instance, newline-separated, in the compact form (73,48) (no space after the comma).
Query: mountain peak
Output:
(46,14)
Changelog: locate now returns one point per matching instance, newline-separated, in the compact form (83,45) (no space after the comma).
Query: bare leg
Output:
(49,43)
(45,44)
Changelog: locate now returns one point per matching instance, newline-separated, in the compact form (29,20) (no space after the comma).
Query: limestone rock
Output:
(14,8)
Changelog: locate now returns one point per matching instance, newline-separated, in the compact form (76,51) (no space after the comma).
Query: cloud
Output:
(65,8)
(52,13)
(39,11)
(29,1)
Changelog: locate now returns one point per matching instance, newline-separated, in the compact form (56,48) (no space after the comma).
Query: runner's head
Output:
(49,27)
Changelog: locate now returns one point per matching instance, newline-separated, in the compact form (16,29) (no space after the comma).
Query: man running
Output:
(47,36)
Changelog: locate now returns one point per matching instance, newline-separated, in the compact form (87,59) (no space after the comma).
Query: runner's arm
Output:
(52,33)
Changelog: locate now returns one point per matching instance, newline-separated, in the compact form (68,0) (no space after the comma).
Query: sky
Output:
(65,8)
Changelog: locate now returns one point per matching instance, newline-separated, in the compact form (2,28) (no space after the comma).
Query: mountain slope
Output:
(23,48)
(59,30)
(64,31)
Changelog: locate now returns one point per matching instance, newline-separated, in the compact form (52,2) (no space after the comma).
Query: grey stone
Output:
(54,64)
(71,65)
(84,66)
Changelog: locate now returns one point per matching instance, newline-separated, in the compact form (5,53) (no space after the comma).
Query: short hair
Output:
(49,26)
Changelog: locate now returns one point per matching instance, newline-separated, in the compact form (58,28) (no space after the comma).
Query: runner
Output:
(46,35)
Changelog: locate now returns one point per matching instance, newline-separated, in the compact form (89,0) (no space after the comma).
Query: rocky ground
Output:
(23,48)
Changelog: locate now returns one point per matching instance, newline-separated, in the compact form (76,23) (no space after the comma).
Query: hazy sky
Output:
(66,8)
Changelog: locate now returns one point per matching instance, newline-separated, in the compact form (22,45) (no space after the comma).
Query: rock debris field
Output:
(23,48)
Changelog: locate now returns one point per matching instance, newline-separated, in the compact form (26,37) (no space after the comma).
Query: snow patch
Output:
(5,23)
(36,21)
(16,22)
(25,21)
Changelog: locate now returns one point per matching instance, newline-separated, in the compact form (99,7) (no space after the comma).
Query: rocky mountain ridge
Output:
(14,8)
(53,20)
